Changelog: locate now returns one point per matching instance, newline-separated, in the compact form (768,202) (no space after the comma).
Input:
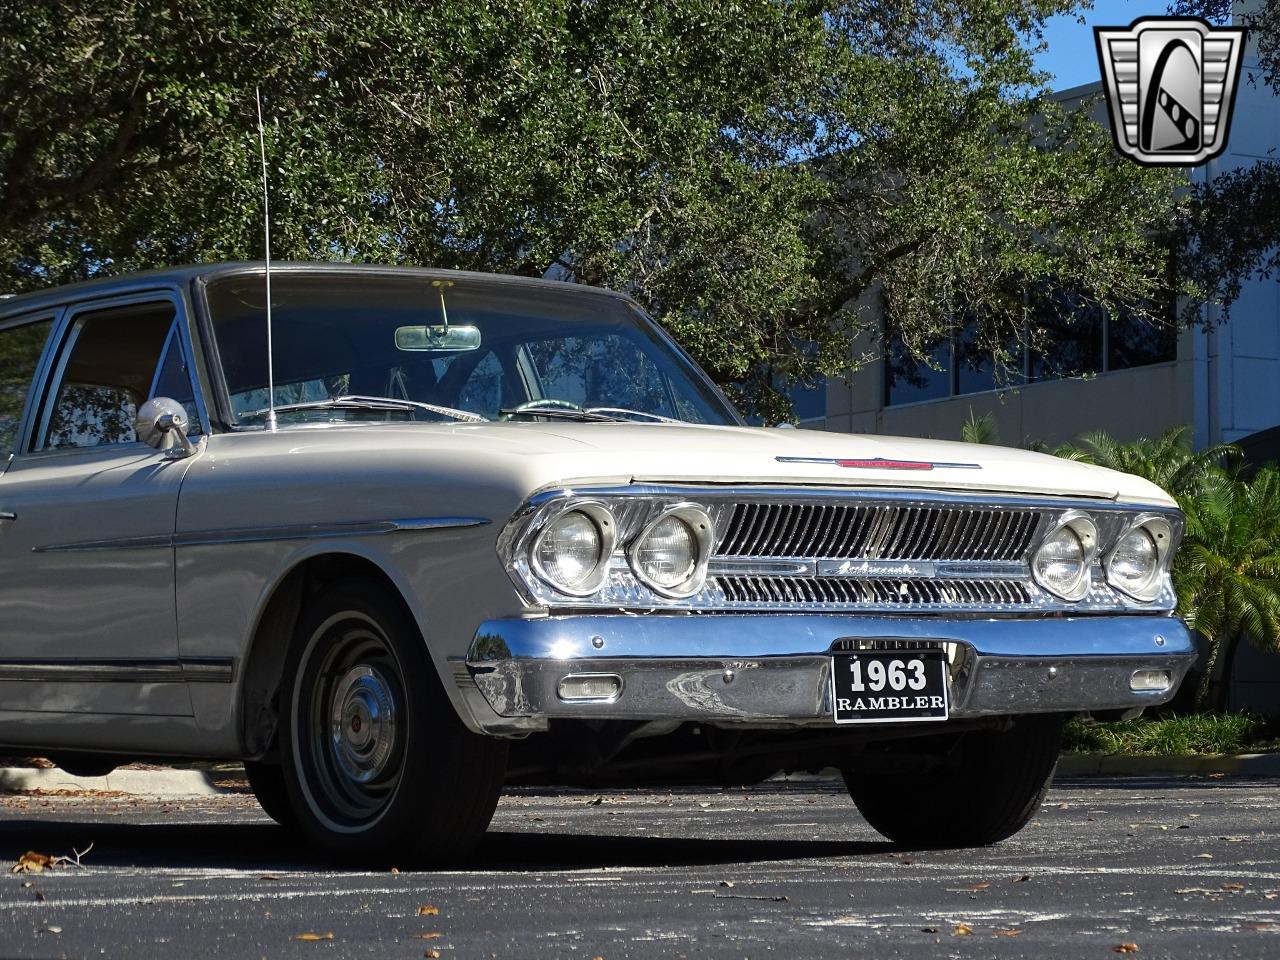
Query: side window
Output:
(106,371)
(20,349)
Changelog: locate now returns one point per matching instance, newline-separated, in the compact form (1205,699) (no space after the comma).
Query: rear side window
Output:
(109,364)
(20,349)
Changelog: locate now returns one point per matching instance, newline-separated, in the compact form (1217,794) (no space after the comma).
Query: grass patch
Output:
(1172,735)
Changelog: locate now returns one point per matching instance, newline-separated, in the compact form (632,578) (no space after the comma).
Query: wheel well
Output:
(264,664)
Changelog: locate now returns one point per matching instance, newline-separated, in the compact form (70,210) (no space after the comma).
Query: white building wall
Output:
(1238,365)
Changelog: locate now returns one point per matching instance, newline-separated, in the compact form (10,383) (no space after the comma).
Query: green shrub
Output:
(1197,733)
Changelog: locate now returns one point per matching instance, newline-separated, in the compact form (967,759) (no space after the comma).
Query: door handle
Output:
(6,515)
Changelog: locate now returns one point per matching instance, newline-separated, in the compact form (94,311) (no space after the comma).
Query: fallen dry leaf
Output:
(928,929)
(311,937)
(979,886)
(432,953)
(1203,856)
(433,935)
(1008,933)
(1022,879)
(1259,926)
(427,910)
(1233,886)
(53,929)
(1125,948)
(32,862)
(961,930)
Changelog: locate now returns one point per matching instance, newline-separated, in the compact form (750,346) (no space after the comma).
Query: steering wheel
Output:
(544,403)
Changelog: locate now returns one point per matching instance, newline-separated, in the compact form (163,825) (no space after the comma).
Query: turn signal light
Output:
(590,686)
(1150,681)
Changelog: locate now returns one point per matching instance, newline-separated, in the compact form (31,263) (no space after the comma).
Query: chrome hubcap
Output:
(349,733)
(362,720)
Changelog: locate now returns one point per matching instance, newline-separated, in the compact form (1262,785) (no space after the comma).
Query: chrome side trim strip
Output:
(194,669)
(300,531)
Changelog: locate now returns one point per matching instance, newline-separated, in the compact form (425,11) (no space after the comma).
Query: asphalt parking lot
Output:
(1163,867)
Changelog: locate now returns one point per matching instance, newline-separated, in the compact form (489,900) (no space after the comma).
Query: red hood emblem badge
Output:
(880,463)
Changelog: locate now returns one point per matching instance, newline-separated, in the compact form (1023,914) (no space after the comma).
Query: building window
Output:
(1068,336)
(809,403)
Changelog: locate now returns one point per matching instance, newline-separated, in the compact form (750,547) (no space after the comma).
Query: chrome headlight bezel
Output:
(607,529)
(1085,529)
(1161,532)
(702,530)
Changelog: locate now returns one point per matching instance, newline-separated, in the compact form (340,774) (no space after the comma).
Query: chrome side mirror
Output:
(162,423)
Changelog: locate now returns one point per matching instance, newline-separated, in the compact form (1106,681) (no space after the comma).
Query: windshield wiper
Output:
(622,413)
(352,401)
(585,414)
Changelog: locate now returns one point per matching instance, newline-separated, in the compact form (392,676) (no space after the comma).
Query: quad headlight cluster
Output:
(573,548)
(642,549)
(1136,564)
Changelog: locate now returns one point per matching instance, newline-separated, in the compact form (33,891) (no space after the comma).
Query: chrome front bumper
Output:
(774,670)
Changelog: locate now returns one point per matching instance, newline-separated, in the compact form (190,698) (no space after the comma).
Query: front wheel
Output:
(378,767)
(986,786)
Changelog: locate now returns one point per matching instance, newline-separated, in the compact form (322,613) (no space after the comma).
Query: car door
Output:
(87,614)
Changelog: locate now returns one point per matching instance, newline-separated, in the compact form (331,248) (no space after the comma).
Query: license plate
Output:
(889,687)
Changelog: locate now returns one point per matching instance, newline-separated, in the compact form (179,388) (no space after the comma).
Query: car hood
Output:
(566,453)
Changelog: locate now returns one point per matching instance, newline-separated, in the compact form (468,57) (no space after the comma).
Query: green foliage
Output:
(750,170)
(980,429)
(1212,733)
(1167,461)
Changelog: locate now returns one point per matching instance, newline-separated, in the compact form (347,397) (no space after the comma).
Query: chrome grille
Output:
(878,531)
(874,593)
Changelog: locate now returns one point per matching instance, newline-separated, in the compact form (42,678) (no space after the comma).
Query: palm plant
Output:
(1228,571)
(980,429)
(1168,461)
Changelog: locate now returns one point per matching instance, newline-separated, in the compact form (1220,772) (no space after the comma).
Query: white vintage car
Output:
(457,531)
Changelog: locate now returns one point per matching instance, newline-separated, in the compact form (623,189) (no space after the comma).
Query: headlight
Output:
(670,555)
(1063,561)
(572,552)
(1136,563)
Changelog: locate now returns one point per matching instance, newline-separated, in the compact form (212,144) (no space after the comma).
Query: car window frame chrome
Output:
(62,343)
(30,404)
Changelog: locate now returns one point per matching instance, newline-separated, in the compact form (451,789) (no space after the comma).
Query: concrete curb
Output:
(146,783)
(1224,765)
(200,783)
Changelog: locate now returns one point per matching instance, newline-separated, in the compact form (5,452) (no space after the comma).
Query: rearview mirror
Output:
(162,423)
(454,337)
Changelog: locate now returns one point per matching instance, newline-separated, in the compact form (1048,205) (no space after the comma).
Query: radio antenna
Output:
(266,239)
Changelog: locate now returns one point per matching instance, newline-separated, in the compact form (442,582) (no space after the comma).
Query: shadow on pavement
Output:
(266,847)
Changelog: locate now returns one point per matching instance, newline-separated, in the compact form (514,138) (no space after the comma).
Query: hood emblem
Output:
(880,463)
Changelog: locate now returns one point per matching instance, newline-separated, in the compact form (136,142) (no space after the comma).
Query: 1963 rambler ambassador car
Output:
(464,531)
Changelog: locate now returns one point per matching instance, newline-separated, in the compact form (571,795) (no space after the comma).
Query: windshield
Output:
(487,349)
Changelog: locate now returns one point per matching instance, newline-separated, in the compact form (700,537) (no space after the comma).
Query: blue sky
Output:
(1072,58)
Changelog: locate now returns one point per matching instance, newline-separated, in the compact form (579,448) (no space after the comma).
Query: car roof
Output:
(142,280)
